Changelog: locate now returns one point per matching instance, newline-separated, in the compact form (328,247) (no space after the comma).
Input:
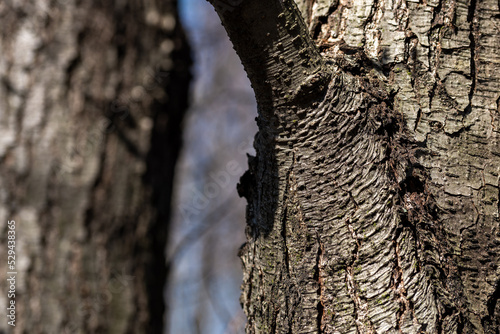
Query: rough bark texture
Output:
(373,200)
(92,95)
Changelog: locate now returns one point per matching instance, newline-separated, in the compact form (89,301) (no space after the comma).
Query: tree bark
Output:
(373,199)
(91,102)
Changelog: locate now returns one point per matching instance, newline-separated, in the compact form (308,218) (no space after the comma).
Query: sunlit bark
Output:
(373,201)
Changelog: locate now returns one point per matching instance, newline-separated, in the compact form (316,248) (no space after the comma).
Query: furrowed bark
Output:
(92,97)
(359,220)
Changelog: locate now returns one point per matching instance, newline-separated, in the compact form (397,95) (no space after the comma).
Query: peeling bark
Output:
(92,96)
(373,200)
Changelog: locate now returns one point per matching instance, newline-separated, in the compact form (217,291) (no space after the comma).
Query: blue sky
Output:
(220,119)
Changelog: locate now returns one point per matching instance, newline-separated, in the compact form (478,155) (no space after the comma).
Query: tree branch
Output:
(272,41)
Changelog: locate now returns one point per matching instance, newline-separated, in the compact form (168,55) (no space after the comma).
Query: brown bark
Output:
(92,95)
(373,201)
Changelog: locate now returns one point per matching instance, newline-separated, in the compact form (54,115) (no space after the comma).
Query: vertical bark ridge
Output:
(318,276)
(473,36)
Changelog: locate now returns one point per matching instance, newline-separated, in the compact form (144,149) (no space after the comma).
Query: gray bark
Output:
(92,95)
(373,200)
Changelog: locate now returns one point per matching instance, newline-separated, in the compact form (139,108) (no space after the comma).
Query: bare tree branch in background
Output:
(220,130)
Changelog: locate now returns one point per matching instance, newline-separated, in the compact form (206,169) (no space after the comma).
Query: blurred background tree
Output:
(92,97)
(92,102)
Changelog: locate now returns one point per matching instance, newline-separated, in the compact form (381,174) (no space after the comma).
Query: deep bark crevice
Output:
(374,8)
(317,276)
(321,20)
(490,321)
(351,281)
(398,285)
(473,38)
(90,211)
(284,220)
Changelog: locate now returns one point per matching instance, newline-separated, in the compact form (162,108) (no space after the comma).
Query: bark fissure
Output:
(89,212)
(318,277)
(492,305)
(284,220)
(419,117)
(250,286)
(320,20)
(498,202)
(473,38)
(370,18)
(363,324)
(371,32)
(399,287)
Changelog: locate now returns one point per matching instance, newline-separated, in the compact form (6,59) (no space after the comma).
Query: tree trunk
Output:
(91,102)
(373,200)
